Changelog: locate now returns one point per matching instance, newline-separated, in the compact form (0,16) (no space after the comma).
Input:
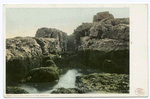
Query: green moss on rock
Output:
(42,75)
(104,82)
(49,63)
(15,90)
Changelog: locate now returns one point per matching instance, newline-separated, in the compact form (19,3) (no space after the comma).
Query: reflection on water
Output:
(67,80)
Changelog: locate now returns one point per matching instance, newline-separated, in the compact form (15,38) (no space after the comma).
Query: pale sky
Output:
(25,21)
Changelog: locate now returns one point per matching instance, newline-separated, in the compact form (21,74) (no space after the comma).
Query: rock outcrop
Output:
(104,82)
(26,53)
(104,39)
(31,46)
(60,36)
(102,15)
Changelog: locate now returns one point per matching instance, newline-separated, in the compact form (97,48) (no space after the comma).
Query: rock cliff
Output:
(105,39)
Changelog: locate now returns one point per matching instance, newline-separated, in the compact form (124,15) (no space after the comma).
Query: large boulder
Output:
(102,15)
(110,29)
(26,53)
(98,29)
(60,36)
(42,75)
(83,30)
(49,63)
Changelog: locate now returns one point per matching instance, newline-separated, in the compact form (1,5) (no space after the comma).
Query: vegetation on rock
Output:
(15,90)
(104,82)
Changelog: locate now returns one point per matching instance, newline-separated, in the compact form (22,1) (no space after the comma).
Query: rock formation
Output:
(102,45)
(26,53)
(104,39)
(15,90)
(102,15)
(60,36)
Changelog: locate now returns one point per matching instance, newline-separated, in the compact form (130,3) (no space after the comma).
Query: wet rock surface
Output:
(67,91)
(41,75)
(15,90)
(104,82)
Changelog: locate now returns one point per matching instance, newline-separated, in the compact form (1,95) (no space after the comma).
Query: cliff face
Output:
(106,29)
(104,43)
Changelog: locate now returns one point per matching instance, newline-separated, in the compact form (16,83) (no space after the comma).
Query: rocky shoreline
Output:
(102,45)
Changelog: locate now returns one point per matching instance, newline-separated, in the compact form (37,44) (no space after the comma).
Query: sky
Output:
(26,21)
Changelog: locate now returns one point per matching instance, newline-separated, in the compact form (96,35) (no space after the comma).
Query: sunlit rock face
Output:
(60,36)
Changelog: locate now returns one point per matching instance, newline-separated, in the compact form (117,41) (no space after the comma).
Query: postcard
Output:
(75,50)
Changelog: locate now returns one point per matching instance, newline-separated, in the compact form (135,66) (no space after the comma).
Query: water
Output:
(67,80)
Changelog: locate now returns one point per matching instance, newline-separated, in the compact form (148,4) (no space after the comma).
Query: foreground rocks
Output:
(26,53)
(48,73)
(15,90)
(96,82)
(67,91)
(42,75)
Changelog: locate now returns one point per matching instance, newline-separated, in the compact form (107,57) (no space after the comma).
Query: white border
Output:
(138,48)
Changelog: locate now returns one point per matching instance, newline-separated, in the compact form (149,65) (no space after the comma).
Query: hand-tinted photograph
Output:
(67,51)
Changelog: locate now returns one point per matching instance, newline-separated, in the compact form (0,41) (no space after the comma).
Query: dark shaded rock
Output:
(50,57)
(67,91)
(49,63)
(42,75)
(71,45)
(83,30)
(110,66)
(96,59)
(102,15)
(104,82)
(15,90)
